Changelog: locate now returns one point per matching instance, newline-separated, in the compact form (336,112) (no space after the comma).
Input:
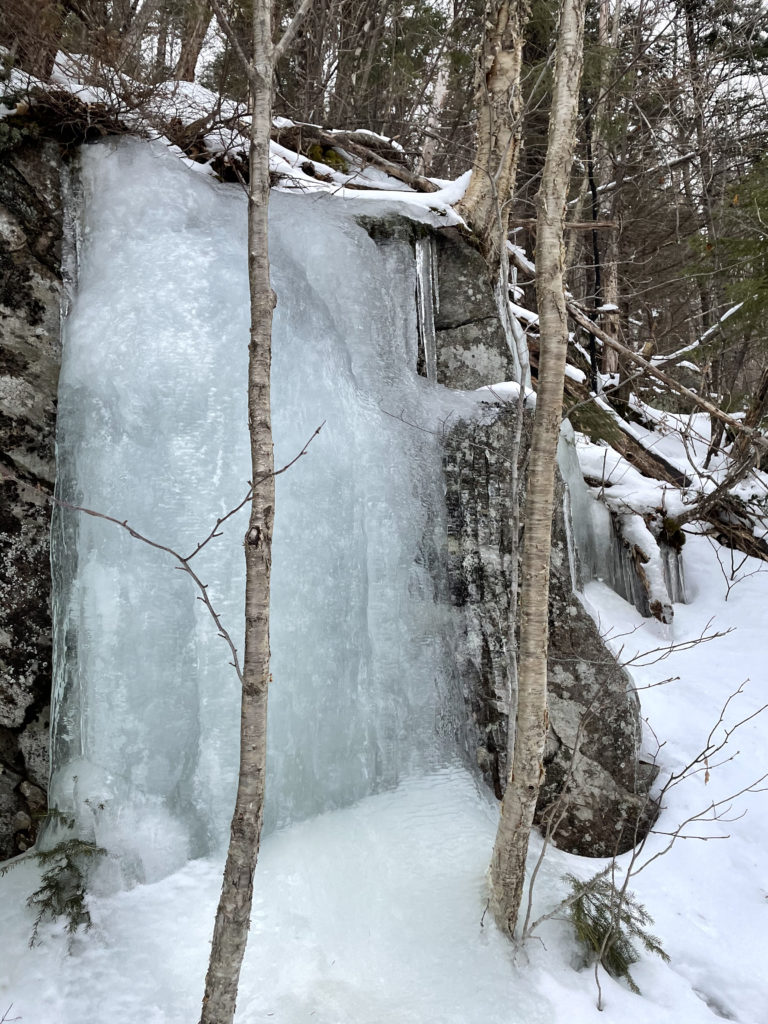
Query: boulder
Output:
(595,787)
(471,343)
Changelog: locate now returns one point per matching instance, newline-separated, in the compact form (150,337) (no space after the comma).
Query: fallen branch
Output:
(299,136)
(584,321)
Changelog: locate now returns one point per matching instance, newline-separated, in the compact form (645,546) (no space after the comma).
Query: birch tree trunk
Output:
(608,38)
(507,873)
(234,910)
(485,206)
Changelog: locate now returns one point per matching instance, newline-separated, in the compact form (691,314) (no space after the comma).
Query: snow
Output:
(224,125)
(523,314)
(507,391)
(373,912)
(575,374)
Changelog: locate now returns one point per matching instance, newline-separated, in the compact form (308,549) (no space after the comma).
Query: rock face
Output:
(471,344)
(594,784)
(30,302)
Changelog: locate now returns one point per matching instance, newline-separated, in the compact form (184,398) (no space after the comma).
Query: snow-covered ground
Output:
(373,913)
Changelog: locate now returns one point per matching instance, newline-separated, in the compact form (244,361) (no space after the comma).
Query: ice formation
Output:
(153,430)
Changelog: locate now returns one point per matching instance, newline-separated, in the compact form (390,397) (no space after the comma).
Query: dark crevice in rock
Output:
(490,320)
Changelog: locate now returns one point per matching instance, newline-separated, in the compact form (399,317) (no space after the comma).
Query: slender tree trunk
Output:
(31,30)
(234,911)
(485,206)
(509,853)
(608,30)
(129,55)
(192,38)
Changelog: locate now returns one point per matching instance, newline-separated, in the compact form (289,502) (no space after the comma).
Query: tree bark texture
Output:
(608,38)
(31,30)
(485,206)
(507,873)
(234,910)
(196,22)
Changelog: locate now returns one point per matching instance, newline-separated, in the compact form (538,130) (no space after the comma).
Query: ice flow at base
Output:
(152,429)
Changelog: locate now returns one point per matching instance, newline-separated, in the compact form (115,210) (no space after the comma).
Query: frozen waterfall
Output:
(152,429)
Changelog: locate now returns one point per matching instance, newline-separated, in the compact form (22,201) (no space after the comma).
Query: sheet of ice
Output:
(588,518)
(152,429)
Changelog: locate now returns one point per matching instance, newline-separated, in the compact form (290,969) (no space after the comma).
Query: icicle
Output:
(426,298)
(674,576)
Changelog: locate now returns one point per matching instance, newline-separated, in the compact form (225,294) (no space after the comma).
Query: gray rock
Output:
(33,743)
(471,344)
(594,782)
(473,355)
(465,293)
(30,304)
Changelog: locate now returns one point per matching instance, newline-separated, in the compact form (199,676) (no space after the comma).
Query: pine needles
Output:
(611,924)
(62,888)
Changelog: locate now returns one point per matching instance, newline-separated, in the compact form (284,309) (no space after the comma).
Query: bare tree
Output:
(500,108)
(519,805)
(234,911)
(197,18)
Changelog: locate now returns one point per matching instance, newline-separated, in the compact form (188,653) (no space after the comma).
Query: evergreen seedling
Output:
(62,890)
(611,924)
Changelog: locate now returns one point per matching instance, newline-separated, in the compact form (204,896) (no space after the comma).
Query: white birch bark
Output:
(507,873)
(485,206)
(234,910)
(608,38)
(233,916)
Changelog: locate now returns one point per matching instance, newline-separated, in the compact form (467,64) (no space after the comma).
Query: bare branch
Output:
(281,47)
(581,318)
(226,27)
